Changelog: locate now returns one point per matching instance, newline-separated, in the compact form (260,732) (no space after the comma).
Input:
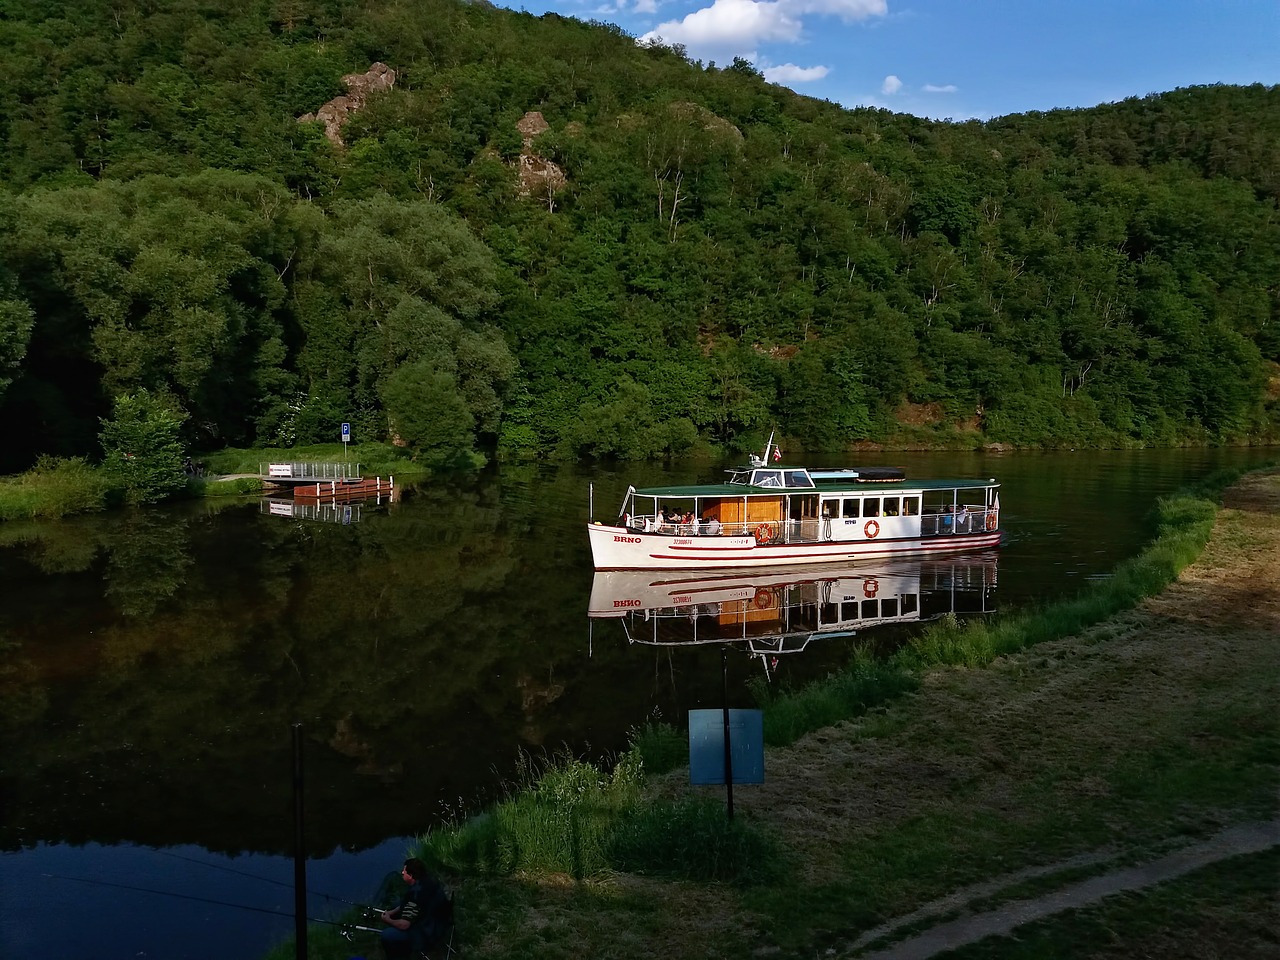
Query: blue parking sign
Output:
(346,433)
(706,746)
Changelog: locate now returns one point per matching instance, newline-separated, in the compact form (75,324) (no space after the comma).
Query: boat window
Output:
(767,478)
(798,478)
(889,607)
(910,506)
(849,610)
(871,507)
(909,604)
(890,506)
(869,608)
(851,509)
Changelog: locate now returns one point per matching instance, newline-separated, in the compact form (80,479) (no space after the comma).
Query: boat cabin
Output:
(773,503)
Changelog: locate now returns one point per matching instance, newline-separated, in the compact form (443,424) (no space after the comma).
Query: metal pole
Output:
(728,752)
(299,852)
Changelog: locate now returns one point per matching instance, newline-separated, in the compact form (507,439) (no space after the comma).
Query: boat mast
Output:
(768,446)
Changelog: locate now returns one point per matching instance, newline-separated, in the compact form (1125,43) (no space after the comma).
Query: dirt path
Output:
(1232,842)
(1079,701)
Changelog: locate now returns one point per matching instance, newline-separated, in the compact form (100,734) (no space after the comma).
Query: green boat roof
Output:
(840,485)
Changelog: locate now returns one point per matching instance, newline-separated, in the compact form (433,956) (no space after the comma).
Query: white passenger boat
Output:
(769,514)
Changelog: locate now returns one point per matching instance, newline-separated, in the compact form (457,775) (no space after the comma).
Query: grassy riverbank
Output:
(60,488)
(984,764)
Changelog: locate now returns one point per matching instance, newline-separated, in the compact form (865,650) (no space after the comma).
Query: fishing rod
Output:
(254,876)
(219,903)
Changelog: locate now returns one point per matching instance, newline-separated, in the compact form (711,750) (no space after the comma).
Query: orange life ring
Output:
(870,587)
(763,599)
(871,529)
(991,520)
(764,533)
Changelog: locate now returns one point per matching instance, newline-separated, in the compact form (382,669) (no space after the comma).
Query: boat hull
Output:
(624,548)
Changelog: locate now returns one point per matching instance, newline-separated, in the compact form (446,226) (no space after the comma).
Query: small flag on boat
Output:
(777,454)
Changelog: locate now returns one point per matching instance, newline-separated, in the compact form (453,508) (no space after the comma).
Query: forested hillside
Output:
(683,255)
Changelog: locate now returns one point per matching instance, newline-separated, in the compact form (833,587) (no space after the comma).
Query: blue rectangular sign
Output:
(346,433)
(706,746)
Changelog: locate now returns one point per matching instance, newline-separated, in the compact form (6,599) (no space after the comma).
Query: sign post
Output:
(346,438)
(726,753)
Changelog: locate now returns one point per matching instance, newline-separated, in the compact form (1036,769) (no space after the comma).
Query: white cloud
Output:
(733,23)
(891,85)
(934,88)
(739,24)
(790,73)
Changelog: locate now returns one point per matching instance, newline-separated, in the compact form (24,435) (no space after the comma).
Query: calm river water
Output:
(152,665)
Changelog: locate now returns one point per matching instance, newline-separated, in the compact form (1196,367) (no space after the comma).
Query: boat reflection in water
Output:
(780,611)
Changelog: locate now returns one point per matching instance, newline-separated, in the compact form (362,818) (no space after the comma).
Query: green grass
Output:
(661,746)
(375,459)
(239,487)
(693,839)
(53,488)
(864,684)
(1225,909)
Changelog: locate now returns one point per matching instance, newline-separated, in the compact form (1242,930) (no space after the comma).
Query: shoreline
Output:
(992,788)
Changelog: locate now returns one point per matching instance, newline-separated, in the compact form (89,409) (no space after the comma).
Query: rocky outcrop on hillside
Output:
(539,176)
(359,86)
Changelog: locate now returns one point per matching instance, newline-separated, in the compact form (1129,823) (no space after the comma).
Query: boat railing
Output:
(310,471)
(945,523)
(933,523)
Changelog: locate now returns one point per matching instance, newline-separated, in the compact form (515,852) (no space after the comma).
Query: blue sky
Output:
(963,58)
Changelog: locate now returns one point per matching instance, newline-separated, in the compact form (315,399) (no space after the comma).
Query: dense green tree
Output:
(16,322)
(141,446)
(427,412)
(711,256)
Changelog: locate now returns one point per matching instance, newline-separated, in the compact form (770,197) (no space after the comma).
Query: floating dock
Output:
(327,482)
(331,491)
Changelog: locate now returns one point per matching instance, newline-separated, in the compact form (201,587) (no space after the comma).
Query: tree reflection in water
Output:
(152,664)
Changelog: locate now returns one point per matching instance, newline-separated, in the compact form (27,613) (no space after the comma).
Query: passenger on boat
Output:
(962,519)
(713,526)
(946,517)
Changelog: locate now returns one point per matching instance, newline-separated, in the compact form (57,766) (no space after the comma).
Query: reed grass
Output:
(576,818)
(557,819)
(53,488)
(661,746)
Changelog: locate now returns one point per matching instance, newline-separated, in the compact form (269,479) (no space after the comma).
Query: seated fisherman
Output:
(414,922)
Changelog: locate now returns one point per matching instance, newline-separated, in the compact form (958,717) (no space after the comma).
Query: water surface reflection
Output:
(152,664)
(768,613)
